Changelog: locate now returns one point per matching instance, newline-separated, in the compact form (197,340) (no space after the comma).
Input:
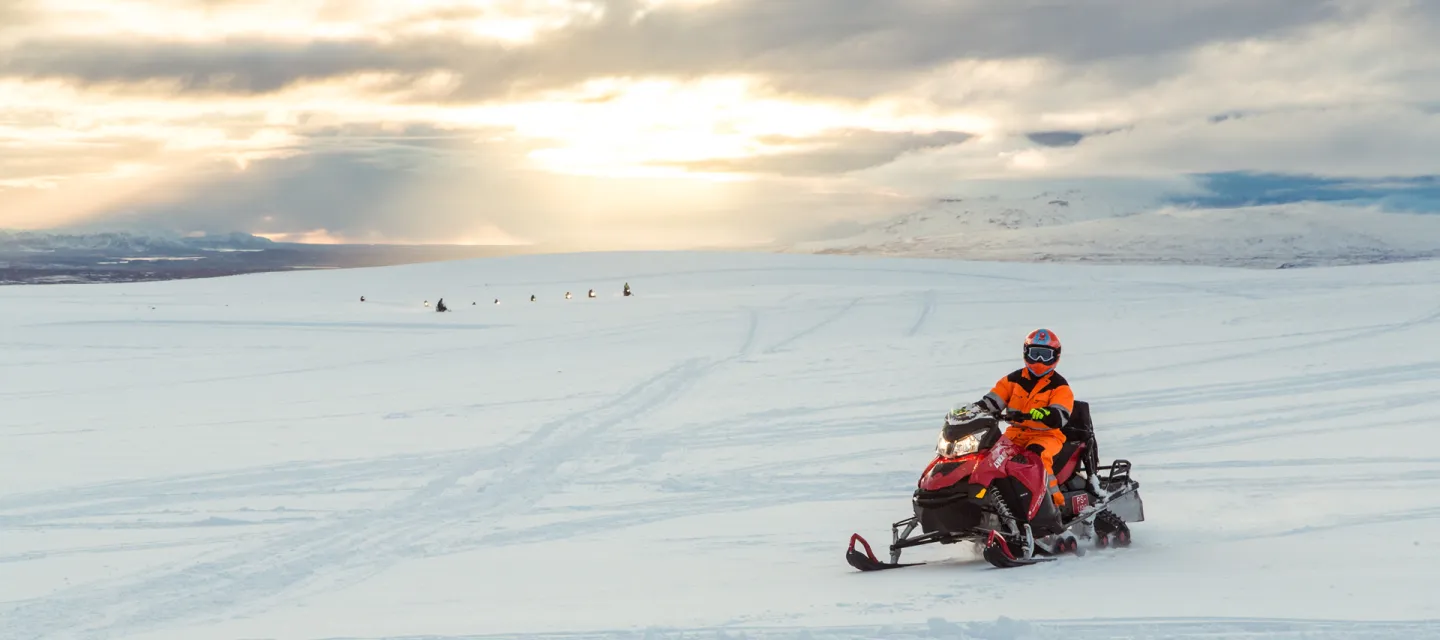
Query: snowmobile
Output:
(983,488)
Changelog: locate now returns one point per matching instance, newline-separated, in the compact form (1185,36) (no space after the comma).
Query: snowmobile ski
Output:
(867,561)
(997,553)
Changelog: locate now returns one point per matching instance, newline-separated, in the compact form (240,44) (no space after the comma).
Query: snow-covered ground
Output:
(1069,227)
(265,456)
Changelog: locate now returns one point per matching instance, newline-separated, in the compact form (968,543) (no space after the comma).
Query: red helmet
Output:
(1042,352)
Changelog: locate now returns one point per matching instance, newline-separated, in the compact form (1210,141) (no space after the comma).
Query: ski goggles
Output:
(1040,354)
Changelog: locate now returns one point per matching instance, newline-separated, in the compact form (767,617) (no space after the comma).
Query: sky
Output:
(679,123)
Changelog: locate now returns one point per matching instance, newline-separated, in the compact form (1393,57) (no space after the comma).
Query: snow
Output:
(1068,226)
(264,456)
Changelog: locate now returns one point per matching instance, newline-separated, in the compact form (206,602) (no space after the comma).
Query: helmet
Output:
(1042,352)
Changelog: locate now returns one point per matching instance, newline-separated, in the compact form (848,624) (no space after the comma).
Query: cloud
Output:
(813,46)
(247,66)
(428,186)
(642,122)
(357,183)
(1368,141)
(832,153)
(1056,138)
(16,13)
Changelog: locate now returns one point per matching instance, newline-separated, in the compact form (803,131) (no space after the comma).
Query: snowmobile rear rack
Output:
(1119,472)
(1121,492)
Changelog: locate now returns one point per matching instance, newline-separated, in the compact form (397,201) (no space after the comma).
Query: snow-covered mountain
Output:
(127,243)
(1068,226)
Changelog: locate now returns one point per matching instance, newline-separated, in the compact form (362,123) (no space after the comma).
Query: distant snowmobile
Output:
(591,294)
(567,295)
(982,488)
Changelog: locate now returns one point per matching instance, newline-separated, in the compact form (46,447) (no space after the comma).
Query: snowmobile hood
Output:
(948,472)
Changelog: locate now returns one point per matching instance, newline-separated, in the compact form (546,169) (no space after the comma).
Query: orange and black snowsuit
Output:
(1022,391)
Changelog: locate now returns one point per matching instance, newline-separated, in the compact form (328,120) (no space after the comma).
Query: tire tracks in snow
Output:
(445,514)
(1380,378)
(329,555)
(804,333)
(489,347)
(42,508)
(1361,333)
(1359,520)
(761,492)
(348,548)
(927,307)
(752,331)
(1198,628)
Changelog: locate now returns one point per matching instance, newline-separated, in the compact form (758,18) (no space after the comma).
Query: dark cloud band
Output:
(839,47)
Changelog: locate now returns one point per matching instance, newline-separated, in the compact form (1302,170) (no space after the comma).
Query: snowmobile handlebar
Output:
(1010,416)
(1004,414)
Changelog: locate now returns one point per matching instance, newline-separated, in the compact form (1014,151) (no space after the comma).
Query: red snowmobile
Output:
(983,488)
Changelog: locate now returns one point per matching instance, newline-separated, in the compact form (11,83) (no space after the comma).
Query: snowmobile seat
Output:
(1079,428)
(1080,449)
(1066,461)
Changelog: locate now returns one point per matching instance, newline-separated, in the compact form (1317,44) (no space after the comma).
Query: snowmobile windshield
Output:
(1040,354)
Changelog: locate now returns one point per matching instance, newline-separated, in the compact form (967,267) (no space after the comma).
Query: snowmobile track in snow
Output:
(705,443)
(346,547)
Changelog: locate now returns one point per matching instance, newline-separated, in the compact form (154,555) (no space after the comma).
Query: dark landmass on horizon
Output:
(46,258)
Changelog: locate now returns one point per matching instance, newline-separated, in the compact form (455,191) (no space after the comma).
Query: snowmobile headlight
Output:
(958,447)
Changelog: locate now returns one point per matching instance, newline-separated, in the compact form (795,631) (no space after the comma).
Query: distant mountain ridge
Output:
(1070,226)
(50,257)
(121,243)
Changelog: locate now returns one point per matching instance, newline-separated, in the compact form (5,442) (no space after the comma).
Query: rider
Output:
(1037,401)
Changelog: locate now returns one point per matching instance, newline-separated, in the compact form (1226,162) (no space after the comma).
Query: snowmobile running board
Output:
(867,561)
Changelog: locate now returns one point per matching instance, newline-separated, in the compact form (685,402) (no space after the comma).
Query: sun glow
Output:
(158,136)
(605,127)
(626,128)
(313,236)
